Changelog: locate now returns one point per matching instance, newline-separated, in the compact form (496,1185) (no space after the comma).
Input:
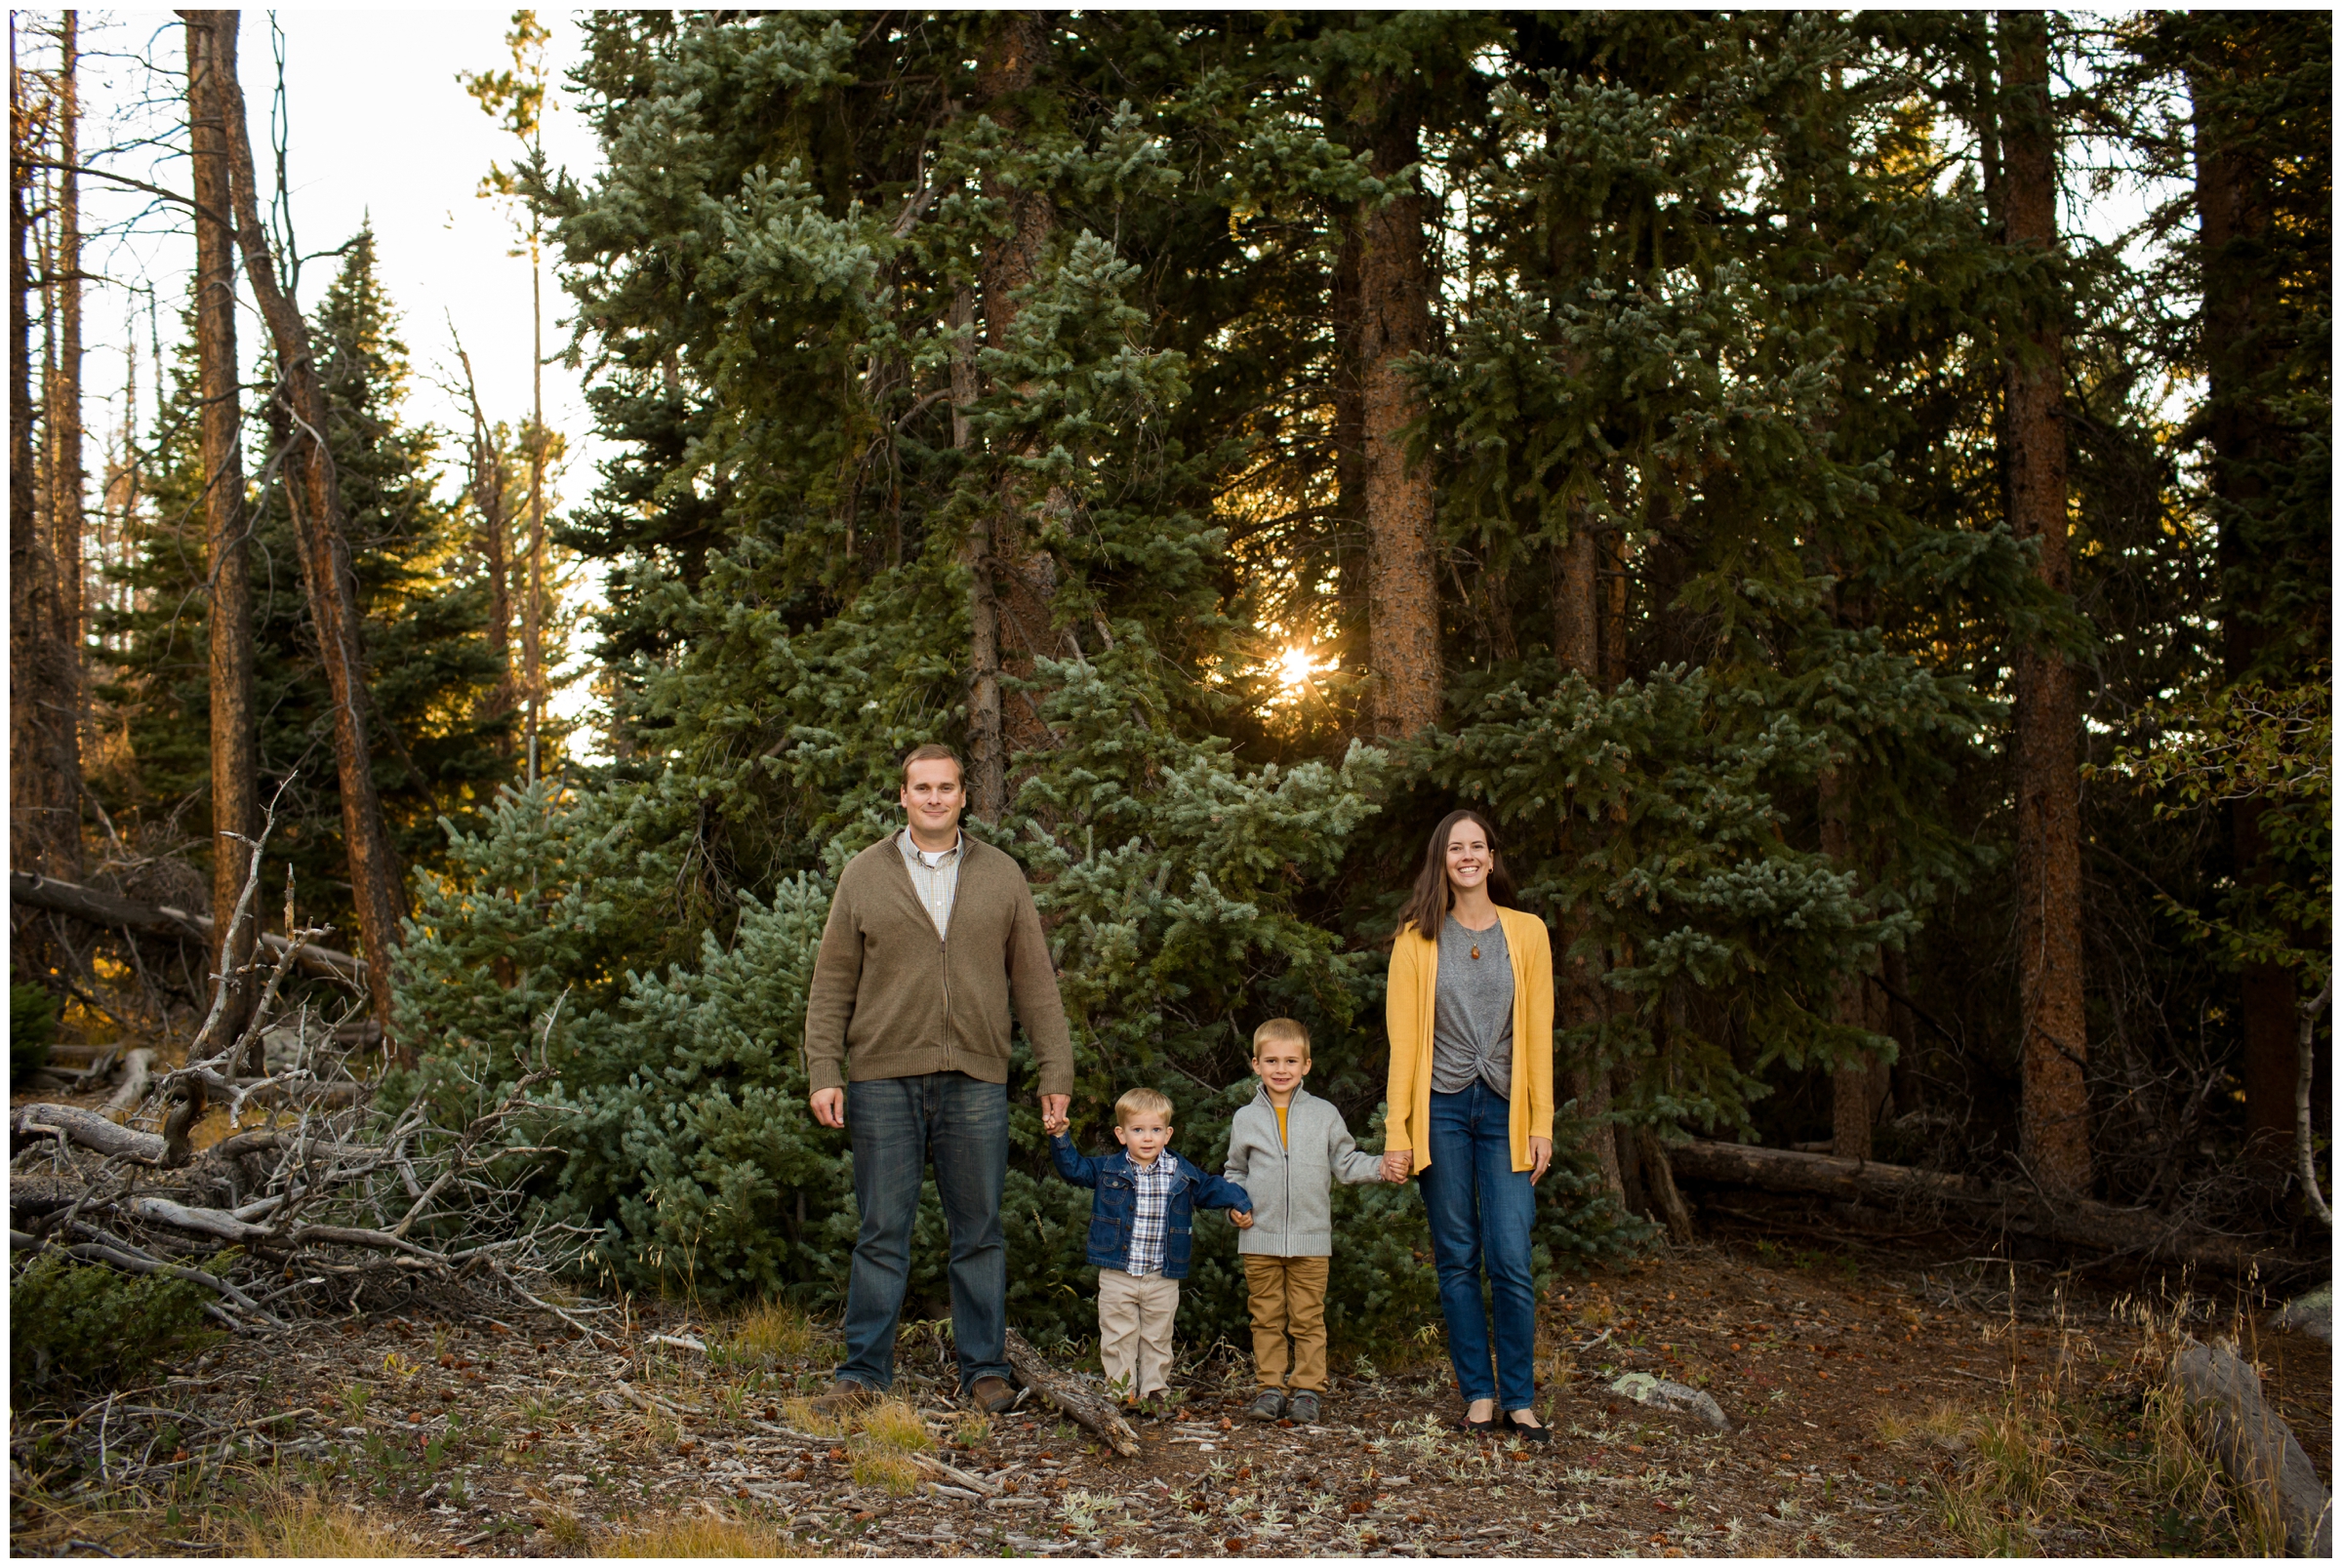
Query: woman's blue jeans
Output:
(1481,1210)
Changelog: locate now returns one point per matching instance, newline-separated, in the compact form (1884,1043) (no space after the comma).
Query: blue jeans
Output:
(897,1125)
(1481,1208)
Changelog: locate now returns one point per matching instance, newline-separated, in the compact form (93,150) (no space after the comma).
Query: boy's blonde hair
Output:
(1141,1101)
(1290,1030)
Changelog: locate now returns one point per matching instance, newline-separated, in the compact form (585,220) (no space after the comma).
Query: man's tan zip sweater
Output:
(891,999)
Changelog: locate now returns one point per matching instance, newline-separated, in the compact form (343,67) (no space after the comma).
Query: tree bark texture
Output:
(1023,571)
(235,734)
(2054,1132)
(44,775)
(1352,554)
(495,544)
(312,493)
(2241,352)
(67,477)
(532,621)
(1394,323)
(988,757)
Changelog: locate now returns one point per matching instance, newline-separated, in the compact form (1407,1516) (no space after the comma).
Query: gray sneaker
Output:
(1302,1408)
(1270,1406)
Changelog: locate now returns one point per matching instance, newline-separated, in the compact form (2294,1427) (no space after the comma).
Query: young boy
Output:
(1288,1147)
(1142,1233)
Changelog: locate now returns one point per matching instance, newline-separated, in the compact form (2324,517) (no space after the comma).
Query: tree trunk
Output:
(44,785)
(1852,1107)
(234,735)
(532,616)
(313,494)
(1395,322)
(1351,555)
(987,760)
(1022,572)
(1576,612)
(494,541)
(2054,1130)
(67,479)
(2241,352)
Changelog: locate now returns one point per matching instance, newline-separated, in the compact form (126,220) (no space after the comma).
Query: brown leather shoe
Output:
(845,1396)
(993,1396)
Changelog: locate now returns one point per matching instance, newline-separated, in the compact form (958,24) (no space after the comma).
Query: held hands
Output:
(1242,1222)
(1397,1163)
(1054,1119)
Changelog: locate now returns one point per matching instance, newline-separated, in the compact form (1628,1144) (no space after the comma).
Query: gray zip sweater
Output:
(1292,1183)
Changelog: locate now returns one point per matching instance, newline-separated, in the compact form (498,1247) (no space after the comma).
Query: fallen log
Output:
(88,1129)
(2259,1450)
(137,1072)
(2074,1221)
(1072,1396)
(113,912)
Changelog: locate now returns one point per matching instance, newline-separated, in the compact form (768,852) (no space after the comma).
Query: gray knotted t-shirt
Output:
(1471,1020)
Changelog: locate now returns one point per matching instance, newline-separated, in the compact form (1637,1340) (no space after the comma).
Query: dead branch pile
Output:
(334,1201)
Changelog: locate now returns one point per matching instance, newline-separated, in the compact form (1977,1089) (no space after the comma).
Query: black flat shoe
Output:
(1471,1427)
(1526,1432)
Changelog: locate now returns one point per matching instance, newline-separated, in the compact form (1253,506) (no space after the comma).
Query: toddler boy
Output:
(1289,1147)
(1142,1234)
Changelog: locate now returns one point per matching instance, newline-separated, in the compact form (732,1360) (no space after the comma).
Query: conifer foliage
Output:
(996,378)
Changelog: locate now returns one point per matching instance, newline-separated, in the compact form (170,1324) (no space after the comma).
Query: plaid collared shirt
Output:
(1147,1225)
(937,884)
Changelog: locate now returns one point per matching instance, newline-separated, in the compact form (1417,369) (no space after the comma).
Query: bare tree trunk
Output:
(1352,556)
(67,478)
(2054,1134)
(44,779)
(488,497)
(314,495)
(1395,322)
(532,621)
(235,744)
(2234,212)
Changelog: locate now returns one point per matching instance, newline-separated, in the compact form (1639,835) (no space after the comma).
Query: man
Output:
(907,1041)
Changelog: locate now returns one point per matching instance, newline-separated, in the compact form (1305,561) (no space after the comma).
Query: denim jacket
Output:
(1117,1206)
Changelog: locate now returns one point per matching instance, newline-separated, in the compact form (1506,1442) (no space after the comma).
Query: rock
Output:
(1657,1393)
(2254,1443)
(2312,1314)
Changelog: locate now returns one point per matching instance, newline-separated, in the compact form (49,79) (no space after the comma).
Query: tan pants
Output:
(1288,1297)
(1134,1331)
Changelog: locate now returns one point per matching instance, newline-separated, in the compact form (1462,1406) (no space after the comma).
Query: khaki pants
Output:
(1134,1330)
(1288,1297)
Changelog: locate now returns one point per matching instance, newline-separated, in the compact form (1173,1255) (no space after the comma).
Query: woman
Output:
(1471,1009)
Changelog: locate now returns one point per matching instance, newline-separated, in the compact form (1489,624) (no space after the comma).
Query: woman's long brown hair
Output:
(1427,907)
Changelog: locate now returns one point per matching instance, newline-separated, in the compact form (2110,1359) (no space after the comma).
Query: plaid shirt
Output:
(1154,1182)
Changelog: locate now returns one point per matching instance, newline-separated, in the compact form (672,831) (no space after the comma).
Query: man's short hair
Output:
(1141,1101)
(932,751)
(1285,1031)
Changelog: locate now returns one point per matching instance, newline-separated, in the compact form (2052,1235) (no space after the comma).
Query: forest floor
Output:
(1881,1406)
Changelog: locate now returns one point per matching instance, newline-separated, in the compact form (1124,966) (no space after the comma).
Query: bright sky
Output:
(377,124)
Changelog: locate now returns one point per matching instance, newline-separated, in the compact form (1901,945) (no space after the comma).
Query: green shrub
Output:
(31,1030)
(80,1323)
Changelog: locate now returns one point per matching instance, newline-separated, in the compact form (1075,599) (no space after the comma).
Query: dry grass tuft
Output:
(302,1527)
(801,1414)
(876,1464)
(897,1425)
(769,1332)
(699,1534)
(565,1532)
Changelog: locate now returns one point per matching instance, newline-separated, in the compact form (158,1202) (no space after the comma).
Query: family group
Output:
(933,940)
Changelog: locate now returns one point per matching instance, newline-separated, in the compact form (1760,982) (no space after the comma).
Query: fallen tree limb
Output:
(2075,1221)
(2223,1392)
(137,1072)
(112,912)
(1072,1396)
(88,1129)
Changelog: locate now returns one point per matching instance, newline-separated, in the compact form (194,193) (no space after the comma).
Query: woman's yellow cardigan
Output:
(1409,1006)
